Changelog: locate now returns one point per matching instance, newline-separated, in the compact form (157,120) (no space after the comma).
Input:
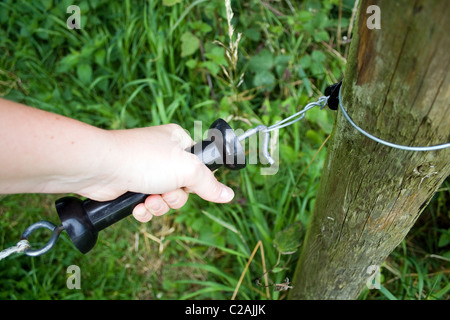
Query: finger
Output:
(175,199)
(156,205)
(202,182)
(141,214)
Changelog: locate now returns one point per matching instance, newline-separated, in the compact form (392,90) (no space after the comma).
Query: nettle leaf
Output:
(305,61)
(321,36)
(216,54)
(264,78)
(304,16)
(282,63)
(201,26)
(191,63)
(252,34)
(317,68)
(189,44)
(318,56)
(263,61)
(287,241)
(214,68)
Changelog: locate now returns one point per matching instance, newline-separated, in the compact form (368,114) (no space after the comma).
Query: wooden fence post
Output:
(397,87)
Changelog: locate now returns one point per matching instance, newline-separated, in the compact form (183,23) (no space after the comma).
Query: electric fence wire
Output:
(322,102)
(386,143)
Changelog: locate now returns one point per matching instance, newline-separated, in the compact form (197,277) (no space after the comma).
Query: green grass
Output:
(136,64)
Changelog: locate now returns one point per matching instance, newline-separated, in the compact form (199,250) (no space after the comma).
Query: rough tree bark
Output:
(396,87)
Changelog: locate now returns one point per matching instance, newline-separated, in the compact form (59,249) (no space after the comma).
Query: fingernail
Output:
(227,194)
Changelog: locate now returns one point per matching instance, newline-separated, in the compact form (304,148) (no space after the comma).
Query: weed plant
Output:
(145,63)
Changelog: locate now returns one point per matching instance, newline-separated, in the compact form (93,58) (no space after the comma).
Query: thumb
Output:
(206,186)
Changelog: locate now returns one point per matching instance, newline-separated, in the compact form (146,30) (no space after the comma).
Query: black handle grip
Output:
(84,219)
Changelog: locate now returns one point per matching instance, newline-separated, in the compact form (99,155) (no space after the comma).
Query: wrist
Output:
(97,175)
(86,168)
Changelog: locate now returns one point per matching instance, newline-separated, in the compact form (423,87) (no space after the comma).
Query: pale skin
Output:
(42,152)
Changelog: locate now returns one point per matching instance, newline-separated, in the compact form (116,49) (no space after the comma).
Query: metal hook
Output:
(265,148)
(42,224)
(322,102)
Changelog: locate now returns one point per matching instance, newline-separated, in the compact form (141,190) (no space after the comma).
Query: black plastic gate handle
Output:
(84,219)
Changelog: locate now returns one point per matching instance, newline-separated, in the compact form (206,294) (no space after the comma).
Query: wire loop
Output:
(322,102)
(56,231)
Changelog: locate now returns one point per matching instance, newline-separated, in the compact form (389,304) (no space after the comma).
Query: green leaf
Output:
(264,78)
(252,34)
(191,63)
(444,239)
(305,61)
(84,73)
(288,153)
(211,66)
(99,57)
(189,44)
(281,63)
(206,243)
(170,3)
(68,62)
(322,36)
(288,240)
(323,119)
(446,255)
(314,136)
(441,293)
(221,222)
(263,61)
(317,68)
(283,60)
(216,54)
(201,26)
(277,269)
(318,56)
(304,16)
(387,293)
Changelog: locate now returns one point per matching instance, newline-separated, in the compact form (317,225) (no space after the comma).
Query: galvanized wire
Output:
(386,143)
(322,102)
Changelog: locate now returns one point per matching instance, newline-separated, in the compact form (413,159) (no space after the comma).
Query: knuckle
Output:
(156,205)
(175,199)
(174,127)
(192,167)
(179,135)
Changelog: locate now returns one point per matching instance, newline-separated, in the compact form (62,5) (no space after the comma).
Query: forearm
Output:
(41,152)
(45,152)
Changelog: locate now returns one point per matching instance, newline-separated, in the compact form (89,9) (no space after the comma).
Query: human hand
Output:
(44,152)
(153,161)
